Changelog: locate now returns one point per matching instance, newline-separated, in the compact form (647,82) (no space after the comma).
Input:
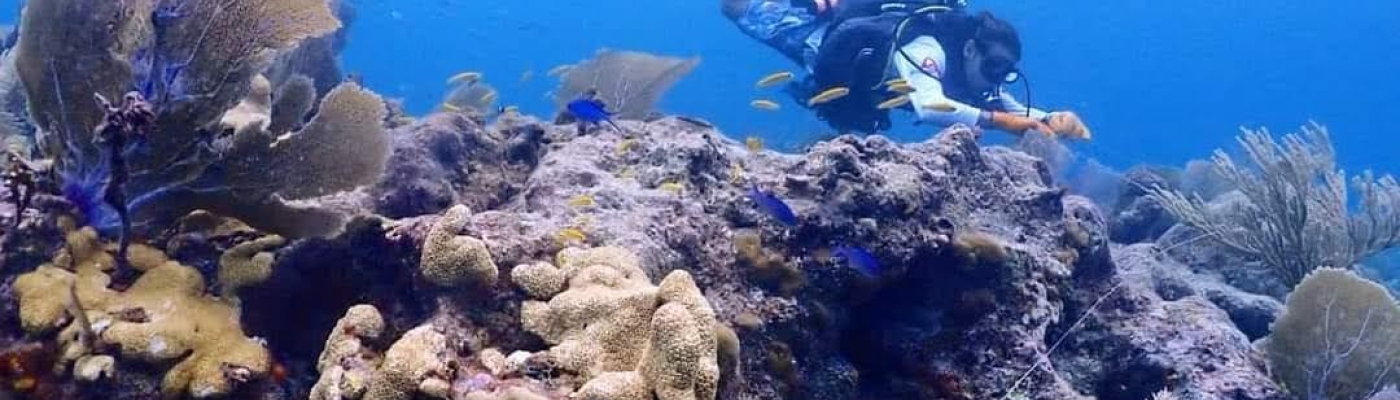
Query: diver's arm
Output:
(932,105)
(1011,105)
(928,99)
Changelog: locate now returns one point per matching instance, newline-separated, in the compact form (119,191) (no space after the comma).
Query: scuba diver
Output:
(953,65)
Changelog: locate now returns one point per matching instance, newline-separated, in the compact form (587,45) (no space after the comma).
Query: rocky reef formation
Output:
(993,282)
(292,236)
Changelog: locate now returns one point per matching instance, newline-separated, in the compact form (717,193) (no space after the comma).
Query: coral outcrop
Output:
(351,369)
(163,318)
(608,304)
(451,259)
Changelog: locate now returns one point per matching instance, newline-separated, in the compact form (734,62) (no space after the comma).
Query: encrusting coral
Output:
(163,318)
(609,303)
(451,259)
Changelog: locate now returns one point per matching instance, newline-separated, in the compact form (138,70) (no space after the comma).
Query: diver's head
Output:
(991,55)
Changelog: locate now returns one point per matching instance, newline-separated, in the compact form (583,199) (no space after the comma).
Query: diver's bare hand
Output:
(826,5)
(1019,124)
(1068,124)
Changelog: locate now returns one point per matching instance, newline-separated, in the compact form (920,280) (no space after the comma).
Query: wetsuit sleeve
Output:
(928,99)
(1011,105)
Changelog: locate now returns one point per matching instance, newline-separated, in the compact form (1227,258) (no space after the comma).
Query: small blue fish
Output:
(772,205)
(590,110)
(860,259)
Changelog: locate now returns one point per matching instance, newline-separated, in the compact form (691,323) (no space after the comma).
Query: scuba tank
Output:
(859,49)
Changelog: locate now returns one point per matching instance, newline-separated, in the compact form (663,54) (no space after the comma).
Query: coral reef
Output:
(196,64)
(450,259)
(163,318)
(608,303)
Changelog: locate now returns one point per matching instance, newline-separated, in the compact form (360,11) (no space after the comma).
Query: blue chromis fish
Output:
(860,259)
(590,110)
(772,205)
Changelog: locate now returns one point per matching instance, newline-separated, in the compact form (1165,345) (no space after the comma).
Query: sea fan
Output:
(629,82)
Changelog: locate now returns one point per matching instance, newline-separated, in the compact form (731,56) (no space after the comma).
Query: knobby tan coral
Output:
(415,358)
(609,303)
(163,318)
(451,259)
(247,264)
(346,363)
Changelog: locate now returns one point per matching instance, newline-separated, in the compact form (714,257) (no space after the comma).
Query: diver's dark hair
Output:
(983,28)
(995,31)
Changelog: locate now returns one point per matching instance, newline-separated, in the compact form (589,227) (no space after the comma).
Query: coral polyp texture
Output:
(595,325)
(351,369)
(164,318)
(200,65)
(452,259)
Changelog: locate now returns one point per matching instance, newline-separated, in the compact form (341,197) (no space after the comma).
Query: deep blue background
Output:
(1160,82)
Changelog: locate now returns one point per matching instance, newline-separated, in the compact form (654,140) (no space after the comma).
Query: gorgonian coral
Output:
(194,61)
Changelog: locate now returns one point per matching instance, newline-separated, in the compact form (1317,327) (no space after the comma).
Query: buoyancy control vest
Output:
(859,46)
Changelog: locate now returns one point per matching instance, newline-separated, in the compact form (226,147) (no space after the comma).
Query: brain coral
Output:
(608,304)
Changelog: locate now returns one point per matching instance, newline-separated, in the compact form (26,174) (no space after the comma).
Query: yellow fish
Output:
(510,110)
(896,102)
(774,79)
(828,96)
(626,146)
(583,200)
(489,97)
(559,70)
(451,108)
(736,174)
(570,235)
(672,187)
(941,107)
(465,77)
(902,88)
(766,105)
(897,82)
(754,144)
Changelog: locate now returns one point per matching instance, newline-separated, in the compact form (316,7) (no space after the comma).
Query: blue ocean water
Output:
(1159,82)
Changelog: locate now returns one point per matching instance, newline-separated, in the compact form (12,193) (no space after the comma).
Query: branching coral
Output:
(452,259)
(194,61)
(594,325)
(164,317)
(1338,338)
(1299,213)
(629,82)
